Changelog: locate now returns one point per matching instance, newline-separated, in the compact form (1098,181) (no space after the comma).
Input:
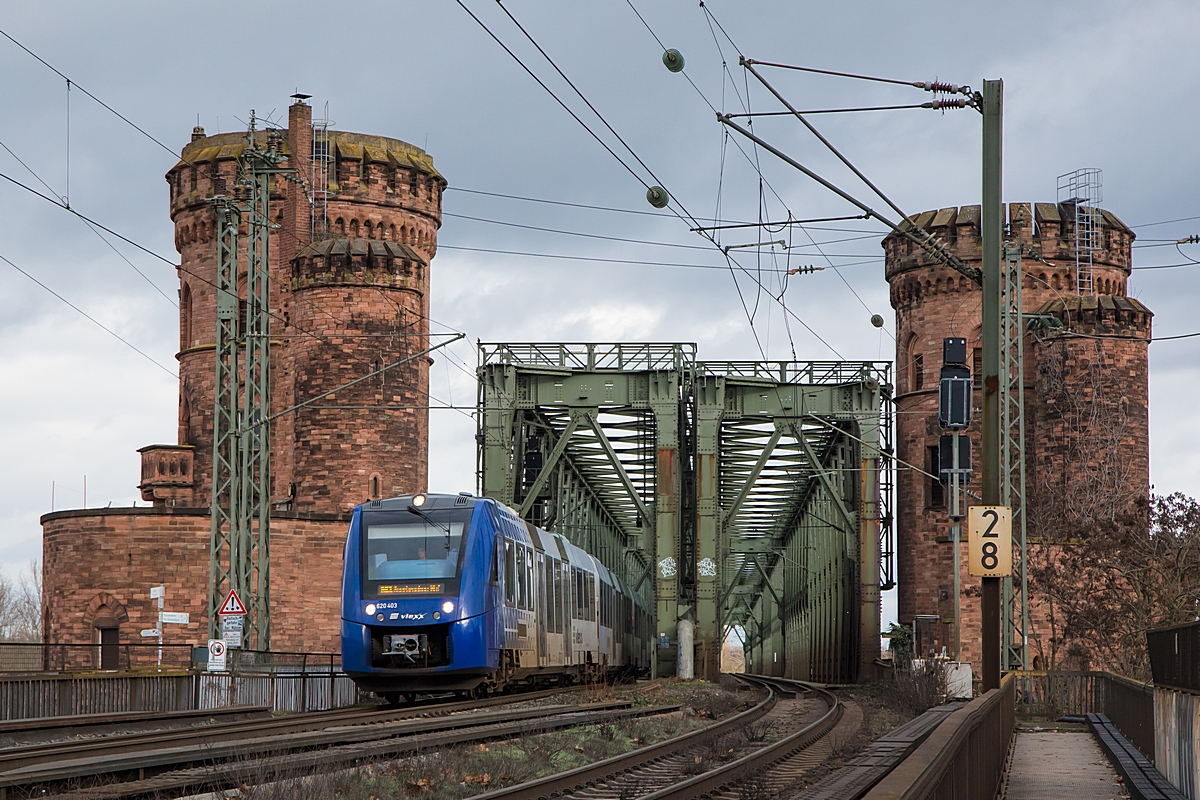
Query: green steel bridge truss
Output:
(750,496)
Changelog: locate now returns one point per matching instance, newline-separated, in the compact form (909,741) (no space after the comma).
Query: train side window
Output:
(522,578)
(557,583)
(510,573)
(566,592)
(529,577)
(541,588)
(590,588)
(497,558)
(580,597)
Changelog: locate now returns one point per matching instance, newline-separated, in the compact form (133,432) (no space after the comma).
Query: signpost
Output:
(989,541)
(159,593)
(233,619)
(216,655)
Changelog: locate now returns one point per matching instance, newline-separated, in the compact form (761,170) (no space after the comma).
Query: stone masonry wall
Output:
(121,553)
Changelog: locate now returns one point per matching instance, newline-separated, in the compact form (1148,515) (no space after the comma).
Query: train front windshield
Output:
(405,551)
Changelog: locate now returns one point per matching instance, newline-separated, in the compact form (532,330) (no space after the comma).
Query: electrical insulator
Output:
(673,60)
(1193,239)
(658,197)
(943,88)
(805,270)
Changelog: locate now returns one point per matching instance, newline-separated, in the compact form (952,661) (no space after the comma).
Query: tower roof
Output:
(347,145)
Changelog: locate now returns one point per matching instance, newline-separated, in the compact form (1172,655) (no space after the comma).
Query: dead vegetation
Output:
(467,770)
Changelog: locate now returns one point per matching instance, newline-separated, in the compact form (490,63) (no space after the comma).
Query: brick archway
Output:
(105,611)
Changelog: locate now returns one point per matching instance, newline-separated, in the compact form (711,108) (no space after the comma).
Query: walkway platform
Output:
(1051,765)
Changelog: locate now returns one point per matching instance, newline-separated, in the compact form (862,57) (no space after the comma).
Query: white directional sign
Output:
(156,592)
(233,605)
(989,541)
(173,617)
(151,632)
(216,655)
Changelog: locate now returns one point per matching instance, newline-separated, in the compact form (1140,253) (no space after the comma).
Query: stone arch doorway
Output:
(105,615)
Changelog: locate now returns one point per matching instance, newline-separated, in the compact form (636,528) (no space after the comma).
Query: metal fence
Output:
(280,691)
(963,759)
(68,657)
(47,680)
(1175,656)
(30,696)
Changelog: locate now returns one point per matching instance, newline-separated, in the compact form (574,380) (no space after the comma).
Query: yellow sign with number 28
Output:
(989,539)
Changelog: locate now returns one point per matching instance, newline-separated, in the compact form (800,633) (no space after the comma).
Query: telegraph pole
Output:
(992,224)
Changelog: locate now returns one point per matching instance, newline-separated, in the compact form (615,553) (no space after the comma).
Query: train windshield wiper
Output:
(414,510)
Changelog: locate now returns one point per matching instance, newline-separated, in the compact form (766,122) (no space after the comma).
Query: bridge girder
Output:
(750,490)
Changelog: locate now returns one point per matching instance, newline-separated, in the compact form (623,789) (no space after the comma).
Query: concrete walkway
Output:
(1053,766)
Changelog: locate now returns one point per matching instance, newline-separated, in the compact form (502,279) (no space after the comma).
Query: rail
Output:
(1127,703)
(592,356)
(964,758)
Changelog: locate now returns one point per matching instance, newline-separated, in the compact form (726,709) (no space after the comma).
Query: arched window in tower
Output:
(914,364)
(392,233)
(339,226)
(185,317)
(375,486)
(354,228)
(369,231)
(185,418)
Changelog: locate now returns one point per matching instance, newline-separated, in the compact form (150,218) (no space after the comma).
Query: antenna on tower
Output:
(1083,190)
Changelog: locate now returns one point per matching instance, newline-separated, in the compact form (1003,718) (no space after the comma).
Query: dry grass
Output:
(467,770)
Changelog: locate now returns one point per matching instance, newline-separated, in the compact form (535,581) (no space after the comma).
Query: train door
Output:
(540,610)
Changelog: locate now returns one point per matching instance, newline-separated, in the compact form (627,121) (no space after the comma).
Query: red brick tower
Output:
(349,294)
(1064,447)
(349,270)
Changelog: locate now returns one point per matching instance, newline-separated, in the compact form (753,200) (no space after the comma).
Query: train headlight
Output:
(370,609)
(448,607)
(418,500)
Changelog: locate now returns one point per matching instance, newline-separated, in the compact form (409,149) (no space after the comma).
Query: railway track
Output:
(26,731)
(661,771)
(207,759)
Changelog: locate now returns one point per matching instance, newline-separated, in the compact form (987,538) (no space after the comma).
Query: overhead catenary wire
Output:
(609,149)
(93,320)
(144,276)
(64,202)
(105,105)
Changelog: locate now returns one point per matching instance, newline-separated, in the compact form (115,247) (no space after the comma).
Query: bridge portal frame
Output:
(731,494)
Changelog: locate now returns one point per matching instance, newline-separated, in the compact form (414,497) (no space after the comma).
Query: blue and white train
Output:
(457,593)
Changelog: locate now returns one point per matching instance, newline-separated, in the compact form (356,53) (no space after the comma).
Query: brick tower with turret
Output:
(1086,400)
(356,231)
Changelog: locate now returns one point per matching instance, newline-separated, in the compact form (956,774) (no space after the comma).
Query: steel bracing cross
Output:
(239,548)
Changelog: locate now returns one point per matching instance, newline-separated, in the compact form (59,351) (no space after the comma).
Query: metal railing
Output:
(963,759)
(1175,656)
(87,657)
(801,372)
(56,679)
(1129,704)
(592,356)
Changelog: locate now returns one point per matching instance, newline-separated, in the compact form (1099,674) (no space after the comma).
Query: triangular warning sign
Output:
(232,605)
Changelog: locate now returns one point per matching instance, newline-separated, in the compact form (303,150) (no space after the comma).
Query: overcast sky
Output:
(1088,84)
